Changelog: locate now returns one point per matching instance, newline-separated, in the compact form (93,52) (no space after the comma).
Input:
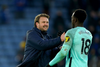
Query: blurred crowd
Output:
(59,22)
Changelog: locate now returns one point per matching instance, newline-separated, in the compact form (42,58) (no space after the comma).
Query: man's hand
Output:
(48,65)
(62,37)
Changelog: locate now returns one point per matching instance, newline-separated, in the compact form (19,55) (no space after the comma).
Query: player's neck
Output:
(79,25)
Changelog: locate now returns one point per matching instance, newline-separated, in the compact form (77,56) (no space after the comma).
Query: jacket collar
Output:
(36,29)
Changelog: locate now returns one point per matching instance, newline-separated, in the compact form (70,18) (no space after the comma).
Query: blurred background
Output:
(17,17)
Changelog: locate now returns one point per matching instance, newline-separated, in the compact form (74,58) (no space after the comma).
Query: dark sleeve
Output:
(54,51)
(39,43)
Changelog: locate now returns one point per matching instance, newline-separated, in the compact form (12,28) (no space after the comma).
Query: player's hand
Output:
(48,65)
(62,37)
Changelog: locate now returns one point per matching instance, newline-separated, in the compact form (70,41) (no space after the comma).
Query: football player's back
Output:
(78,54)
(77,43)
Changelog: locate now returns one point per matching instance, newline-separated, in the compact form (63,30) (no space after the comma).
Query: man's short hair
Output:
(80,14)
(38,17)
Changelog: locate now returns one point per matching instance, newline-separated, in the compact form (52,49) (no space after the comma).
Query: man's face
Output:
(43,24)
(72,20)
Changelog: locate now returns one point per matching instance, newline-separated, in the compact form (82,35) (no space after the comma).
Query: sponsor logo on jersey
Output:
(67,39)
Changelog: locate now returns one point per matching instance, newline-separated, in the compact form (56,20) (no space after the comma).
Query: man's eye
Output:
(43,22)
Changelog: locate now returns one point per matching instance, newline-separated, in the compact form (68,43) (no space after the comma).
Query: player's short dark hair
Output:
(80,14)
(38,17)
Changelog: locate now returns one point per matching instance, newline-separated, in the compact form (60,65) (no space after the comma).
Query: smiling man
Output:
(40,47)
(43,23)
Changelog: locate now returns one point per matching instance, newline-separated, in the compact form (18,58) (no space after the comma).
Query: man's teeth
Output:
(45,27)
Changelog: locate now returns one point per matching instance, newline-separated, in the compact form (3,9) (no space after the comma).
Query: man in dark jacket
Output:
(40,47)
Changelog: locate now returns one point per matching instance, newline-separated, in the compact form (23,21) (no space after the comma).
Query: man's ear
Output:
(75,19)
(37,24)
